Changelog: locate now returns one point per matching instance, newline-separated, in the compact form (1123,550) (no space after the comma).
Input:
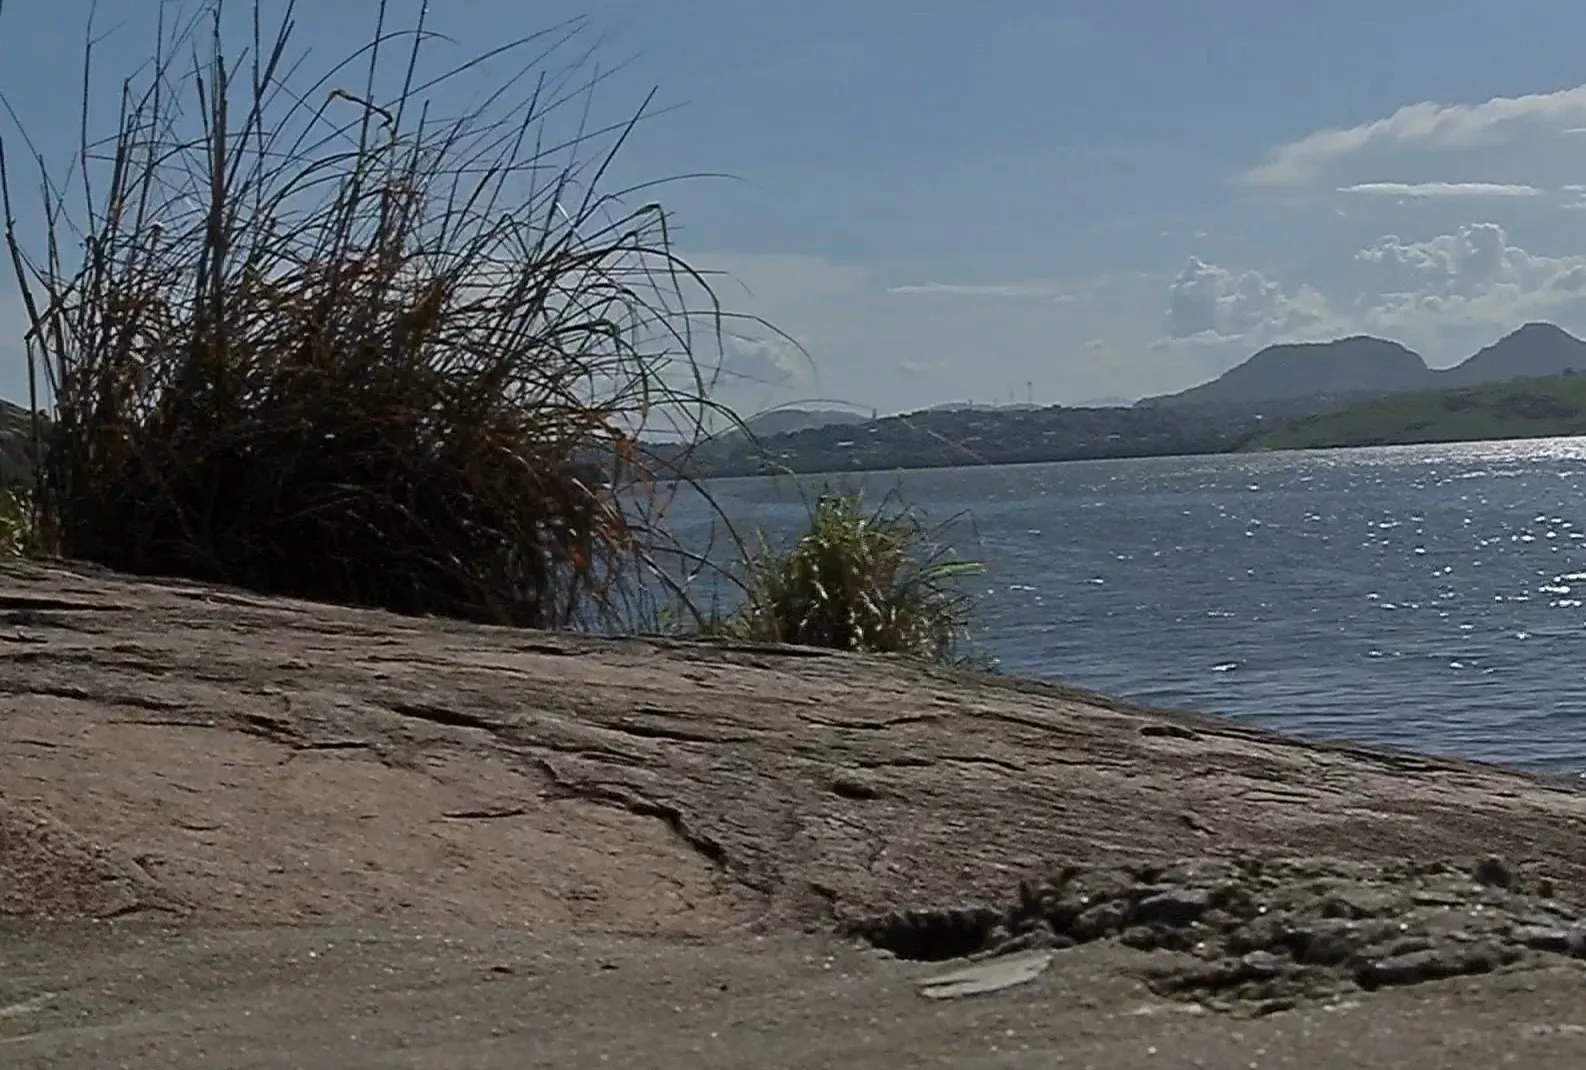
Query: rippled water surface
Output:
(1425,597)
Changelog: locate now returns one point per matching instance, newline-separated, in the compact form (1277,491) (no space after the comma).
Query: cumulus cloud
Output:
(1443,189)
(1473,257)
(755,362)
(1205,299)
(1423,126)
(1474,277)
(1444,296)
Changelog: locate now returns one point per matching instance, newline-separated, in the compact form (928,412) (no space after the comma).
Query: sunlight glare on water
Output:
(1428,597)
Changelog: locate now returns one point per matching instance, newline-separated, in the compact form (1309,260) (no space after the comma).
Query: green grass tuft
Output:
(875,581)
(15,523)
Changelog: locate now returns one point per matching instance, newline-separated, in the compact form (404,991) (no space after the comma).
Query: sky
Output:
(1011,200)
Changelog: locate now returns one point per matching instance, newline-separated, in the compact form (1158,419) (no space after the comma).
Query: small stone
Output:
(1325,944)
(1234,899)
(1429,965)
(1139,937)
(1274,1006)
(1219,975)
(1261,965)
(1168,731)
(1540,939)
(850,786)
(1101,920)
(1404,969)
(1357,903)
(1494,872)
(1409,945)
(1177,906)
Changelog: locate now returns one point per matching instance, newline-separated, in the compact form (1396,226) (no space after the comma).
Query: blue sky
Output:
(953,201)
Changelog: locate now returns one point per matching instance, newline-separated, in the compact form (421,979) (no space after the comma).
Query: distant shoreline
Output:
(1551,407)
(1125,457)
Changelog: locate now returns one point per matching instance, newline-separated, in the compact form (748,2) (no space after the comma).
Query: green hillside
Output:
(1532,408)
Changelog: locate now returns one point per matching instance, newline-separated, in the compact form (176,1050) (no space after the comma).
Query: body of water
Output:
(1425,597)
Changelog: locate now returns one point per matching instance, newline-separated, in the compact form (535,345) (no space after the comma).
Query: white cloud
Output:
(765,361)
(873,346)
(1444,296)
(1473,257)
(1444,292)
(1205,299)
(1468,263)
(1443,189)
(1423,126)
(1471,281)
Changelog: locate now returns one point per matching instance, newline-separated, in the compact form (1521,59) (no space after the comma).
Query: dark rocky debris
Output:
(1253,936)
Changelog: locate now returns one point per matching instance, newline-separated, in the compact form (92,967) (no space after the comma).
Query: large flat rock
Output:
(188,761)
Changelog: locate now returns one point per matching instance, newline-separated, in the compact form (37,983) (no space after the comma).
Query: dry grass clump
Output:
(332,346)
(876,581)
(15,522)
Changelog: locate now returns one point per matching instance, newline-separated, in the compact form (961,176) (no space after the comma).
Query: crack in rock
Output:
(705,846)
(444,716)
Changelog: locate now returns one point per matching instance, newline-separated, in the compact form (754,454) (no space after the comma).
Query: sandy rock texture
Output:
(201,787)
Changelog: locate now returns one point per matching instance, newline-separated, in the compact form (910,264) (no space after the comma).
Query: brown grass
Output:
(333,346)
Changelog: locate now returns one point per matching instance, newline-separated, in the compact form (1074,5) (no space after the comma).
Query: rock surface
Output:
(223,786)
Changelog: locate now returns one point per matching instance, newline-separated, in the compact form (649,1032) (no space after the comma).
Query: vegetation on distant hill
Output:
(783,421)
(1532,408)
(942,438)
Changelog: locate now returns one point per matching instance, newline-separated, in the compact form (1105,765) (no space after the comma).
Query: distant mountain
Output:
(1347,368)
(1535,351)
(1326,375)
(783,421)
